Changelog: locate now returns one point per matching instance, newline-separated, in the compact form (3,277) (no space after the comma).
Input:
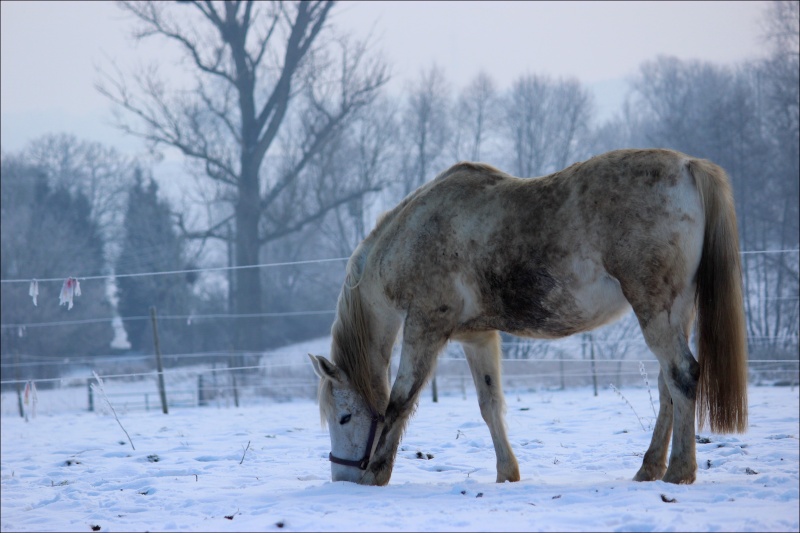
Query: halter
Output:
(362,464)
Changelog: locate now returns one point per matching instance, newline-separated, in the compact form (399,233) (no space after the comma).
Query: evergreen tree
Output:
(50,233)
(151,244)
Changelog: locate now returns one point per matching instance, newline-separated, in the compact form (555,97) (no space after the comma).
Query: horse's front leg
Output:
(420,348)
(483,355)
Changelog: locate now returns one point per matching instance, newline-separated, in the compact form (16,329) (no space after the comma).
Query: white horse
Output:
(476,251)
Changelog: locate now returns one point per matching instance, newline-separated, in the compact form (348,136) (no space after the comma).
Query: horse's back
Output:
(546,256)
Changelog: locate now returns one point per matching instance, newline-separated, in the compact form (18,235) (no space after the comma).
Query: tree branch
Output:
(273,111)
(164,125)
(323,210)
(150,13)
(210,233)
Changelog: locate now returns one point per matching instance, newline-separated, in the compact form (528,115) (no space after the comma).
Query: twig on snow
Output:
(245,452)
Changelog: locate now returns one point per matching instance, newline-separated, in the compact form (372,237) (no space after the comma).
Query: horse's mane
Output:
(350,335)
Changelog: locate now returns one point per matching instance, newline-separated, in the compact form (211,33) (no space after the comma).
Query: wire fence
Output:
(287,375)
(189,318)
(230,377)
(31,360)
(182,271)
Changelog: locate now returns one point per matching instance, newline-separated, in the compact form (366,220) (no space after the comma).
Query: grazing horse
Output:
(477,251)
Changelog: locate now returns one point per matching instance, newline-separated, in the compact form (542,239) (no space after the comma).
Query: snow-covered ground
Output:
(264,467)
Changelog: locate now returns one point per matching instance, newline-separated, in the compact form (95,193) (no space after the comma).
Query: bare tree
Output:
(708,111)
(366,154)
(260,70)
(99,172)
(781,75)
(425,128)
(744,118)
(475,119)
(620,131)
(781,27)
(546,123)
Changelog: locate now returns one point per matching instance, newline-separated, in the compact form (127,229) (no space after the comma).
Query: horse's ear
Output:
(324,368)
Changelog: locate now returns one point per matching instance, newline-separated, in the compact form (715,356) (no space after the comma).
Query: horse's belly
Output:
(600,301)
(594,305)
(578,298)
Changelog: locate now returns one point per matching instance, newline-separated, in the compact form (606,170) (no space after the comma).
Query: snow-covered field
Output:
(264,467)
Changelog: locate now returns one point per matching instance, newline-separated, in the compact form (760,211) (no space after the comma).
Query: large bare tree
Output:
(260,70)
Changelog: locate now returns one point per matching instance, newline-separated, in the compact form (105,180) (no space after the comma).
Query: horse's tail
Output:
(722,342)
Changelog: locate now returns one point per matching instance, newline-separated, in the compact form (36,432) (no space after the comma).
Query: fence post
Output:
(594,369)
(214,386)
(19,401)
(16,385)
(161,389)
(200,399)
(91,396)
(235,391)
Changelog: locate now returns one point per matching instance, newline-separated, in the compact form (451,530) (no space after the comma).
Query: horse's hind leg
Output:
(682,381)
(680,373)
(655,460)
(483,355)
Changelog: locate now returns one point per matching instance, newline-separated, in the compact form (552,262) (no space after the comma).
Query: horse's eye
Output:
(345,419)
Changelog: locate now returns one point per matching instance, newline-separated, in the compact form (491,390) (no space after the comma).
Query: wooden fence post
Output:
(16,385)
(200,386)
(91,396)
(235,391)
(594,368)
(161,389)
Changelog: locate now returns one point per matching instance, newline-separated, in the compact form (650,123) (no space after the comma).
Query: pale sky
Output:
(50,49)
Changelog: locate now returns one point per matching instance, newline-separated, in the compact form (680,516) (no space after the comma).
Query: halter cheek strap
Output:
(362,464)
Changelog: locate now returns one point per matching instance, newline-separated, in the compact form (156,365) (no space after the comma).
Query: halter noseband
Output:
(362,464)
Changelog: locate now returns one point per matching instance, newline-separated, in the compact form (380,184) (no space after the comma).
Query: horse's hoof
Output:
(649,473)
(376,475)
(680,478)
(512,476)
(368,478)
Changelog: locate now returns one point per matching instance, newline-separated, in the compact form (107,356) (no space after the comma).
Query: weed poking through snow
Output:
(99,387)
(649,393)
(643,373)
(629,405)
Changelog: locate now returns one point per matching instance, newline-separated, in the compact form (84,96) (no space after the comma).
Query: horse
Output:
(476,251)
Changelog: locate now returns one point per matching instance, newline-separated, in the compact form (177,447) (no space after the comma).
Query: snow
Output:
(264,467)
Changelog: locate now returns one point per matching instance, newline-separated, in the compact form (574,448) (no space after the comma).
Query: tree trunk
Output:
(248,280)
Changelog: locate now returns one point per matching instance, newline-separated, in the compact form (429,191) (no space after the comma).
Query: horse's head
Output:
(352,423)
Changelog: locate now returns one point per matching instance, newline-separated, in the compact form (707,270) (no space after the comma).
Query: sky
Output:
(50,51)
